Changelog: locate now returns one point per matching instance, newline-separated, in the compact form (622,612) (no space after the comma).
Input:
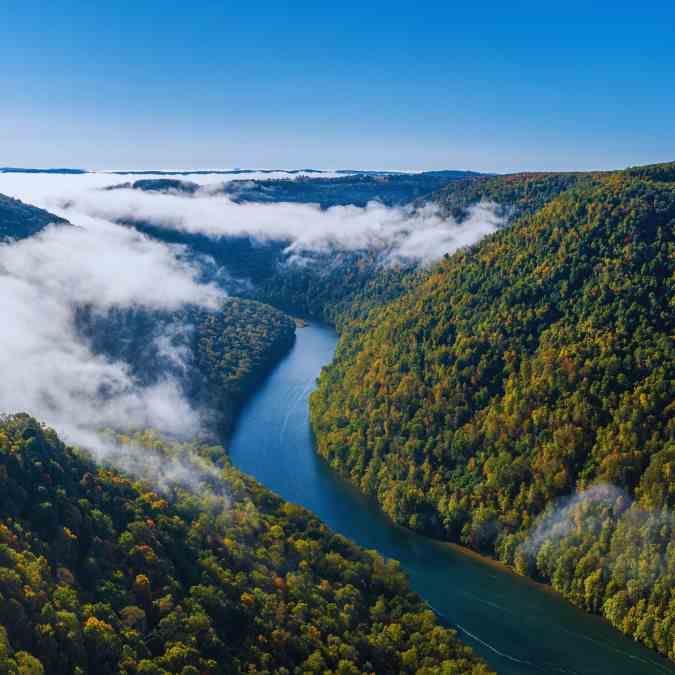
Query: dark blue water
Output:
(516,625)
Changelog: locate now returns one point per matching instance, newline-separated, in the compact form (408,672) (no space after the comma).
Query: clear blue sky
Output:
(497,86)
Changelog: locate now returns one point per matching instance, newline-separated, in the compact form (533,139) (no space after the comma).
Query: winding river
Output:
(516,625)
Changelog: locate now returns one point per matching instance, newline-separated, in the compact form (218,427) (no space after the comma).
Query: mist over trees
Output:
(515,397)
(138,554)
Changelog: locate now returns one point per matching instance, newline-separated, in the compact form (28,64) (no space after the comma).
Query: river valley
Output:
(518,626)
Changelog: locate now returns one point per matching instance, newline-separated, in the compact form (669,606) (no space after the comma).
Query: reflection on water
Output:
(516,625)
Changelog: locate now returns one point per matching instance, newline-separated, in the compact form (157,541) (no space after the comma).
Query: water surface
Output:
(516,625)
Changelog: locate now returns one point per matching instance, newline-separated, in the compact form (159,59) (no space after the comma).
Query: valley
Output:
(508,393)
(517,626)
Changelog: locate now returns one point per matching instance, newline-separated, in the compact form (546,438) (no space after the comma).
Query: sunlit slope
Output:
(100,573)
(536,364)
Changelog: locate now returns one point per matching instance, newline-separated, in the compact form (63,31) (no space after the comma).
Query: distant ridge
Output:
(357,189)
(237,171)
(15,169)
(230,172)
(207,172)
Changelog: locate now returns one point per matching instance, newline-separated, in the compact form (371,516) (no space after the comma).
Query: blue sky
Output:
(495,86)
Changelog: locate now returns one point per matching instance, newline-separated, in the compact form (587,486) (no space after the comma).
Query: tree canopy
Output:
(484,404)
(102,573)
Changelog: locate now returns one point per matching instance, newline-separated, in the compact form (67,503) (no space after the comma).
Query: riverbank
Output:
(518,625)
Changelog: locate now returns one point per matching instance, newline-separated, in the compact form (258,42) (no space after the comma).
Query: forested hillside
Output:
(19,220)
(341,286)
(101,573)
(218,356)
(519,400)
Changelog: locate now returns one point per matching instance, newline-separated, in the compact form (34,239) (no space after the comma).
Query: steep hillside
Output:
(19,220)
(536,364)
(103,574)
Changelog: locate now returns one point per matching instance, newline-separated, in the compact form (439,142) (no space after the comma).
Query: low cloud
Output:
(587,513)
(566,515)
(420,234)
(105,265)
(417,234)
(182,469)
(49,368)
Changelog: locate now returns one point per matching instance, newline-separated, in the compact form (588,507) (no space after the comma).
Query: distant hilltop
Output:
(19,220)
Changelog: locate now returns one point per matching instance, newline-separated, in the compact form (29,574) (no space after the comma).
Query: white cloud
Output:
(48,368)
(422,234)
(105,265)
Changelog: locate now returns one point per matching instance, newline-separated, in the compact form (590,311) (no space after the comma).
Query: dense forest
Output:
(102,573)
(519,399)
(340,287)
(515,194)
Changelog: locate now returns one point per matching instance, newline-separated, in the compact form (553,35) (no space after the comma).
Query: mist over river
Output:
(516,625)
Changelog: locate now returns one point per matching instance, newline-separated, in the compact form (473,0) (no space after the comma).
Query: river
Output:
(516,625)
